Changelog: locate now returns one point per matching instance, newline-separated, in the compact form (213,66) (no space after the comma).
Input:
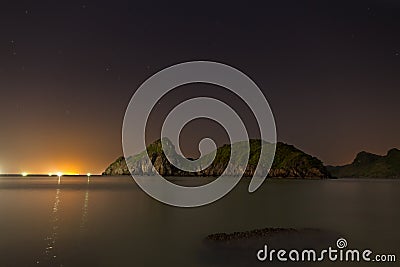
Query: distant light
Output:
(24,174)
(88,175)
(50,174)
(59,174)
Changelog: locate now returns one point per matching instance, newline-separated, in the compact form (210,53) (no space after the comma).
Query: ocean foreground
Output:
(109,221)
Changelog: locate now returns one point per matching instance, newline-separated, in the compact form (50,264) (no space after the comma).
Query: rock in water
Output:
(240,248)
(368,165)
(289,162)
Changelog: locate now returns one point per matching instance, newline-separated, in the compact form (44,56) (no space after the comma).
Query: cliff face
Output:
(368,165)
(289,162)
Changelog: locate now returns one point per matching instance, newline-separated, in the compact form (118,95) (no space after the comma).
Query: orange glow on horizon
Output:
(56,172)
(52,168)
(65,169)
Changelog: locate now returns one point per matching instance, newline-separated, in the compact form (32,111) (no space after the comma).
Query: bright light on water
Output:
(24,174)
(59,174)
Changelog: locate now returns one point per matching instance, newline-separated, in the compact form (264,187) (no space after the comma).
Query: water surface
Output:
(109,221)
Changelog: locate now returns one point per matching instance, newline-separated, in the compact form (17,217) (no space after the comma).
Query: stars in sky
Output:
(13,48)
(113,73)
(371,12)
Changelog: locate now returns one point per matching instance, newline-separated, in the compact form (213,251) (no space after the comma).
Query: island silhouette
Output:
(289,162)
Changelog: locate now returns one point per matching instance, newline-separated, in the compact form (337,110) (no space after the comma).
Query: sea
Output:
(110,221)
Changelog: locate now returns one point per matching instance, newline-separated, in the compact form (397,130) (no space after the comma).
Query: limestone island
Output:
(289,162)
(368,165)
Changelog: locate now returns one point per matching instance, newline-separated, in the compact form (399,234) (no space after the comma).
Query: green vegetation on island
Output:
(289,162)
(368,165)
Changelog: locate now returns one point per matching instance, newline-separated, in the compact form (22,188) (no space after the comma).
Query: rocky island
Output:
(368,165)
(289,162)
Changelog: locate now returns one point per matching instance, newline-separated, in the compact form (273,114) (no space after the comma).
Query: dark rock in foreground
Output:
(259,233)
(240,248)
(290,237)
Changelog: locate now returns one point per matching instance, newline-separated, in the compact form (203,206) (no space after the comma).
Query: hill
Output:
(289,162)
(368,165)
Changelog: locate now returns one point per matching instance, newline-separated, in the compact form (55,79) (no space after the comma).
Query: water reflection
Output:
(125,220)
(85,208)
(85,211)
(49,256)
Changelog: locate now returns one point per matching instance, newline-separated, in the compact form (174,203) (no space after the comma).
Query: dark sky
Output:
(329,69)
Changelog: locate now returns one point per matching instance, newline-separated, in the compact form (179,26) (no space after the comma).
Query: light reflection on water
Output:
(85,210)
(49,256)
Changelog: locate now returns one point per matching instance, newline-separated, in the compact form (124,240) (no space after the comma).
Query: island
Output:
(368,165)
(289,162)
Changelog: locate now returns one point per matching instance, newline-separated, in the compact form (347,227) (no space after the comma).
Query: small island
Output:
(289,162)
(368,165)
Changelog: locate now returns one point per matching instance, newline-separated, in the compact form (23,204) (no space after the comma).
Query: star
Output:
(371,12)
(108,67)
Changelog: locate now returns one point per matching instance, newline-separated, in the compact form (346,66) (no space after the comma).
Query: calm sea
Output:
(109,221)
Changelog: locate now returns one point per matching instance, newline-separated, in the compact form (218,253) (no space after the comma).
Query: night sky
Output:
(329,69)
